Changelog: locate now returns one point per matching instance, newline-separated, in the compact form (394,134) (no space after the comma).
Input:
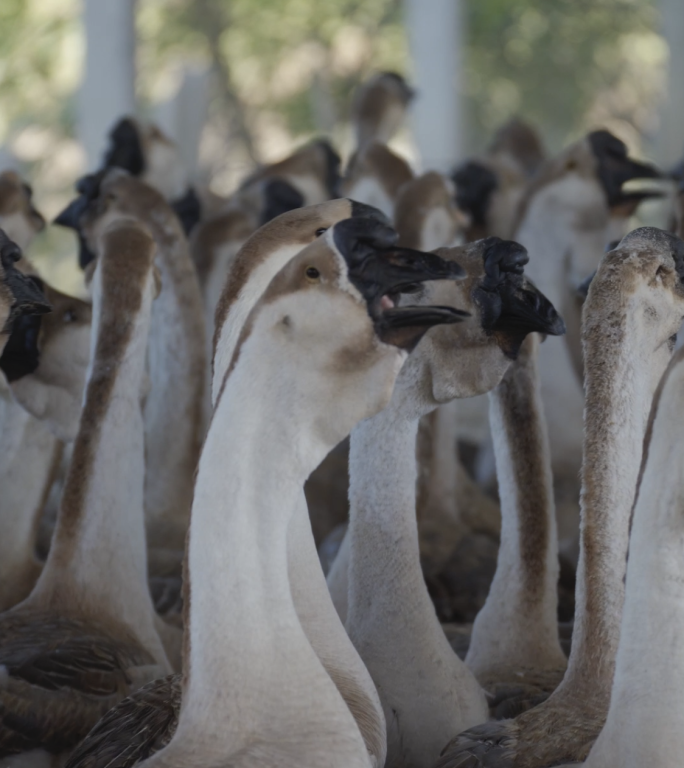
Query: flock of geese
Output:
(161,594)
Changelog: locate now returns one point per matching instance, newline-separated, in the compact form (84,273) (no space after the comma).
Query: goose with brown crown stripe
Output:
(308,176)
(425,689)
(633,310)
(379,108)
(85,636)
(265,253)
(327,326)
(566,210)
(174,406)
(44,364)
(643,726)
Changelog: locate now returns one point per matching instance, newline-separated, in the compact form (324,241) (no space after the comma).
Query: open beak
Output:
(381,272)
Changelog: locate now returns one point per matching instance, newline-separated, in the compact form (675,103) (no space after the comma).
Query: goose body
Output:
(85,636)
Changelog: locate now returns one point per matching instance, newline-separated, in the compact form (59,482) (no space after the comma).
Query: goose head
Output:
(582,187)
(148,154)
(374,176)
(20,295)
(379,107)
(19,218)
(518,145)
(426,214)
(309,176)
(333,316)
(640,282)
(110,195)
(470,359)
(490,188)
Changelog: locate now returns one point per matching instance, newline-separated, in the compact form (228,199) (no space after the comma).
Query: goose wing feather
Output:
(58,676)
(136,728)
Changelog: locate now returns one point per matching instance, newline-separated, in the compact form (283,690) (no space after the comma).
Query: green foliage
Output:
(546,60)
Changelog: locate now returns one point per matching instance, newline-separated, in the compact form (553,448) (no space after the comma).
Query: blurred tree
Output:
(547,61)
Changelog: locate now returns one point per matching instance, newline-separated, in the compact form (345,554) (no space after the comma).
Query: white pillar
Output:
(670,142)
(435,31)
(184,115)
(108,87)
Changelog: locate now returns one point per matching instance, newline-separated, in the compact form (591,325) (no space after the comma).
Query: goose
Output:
(176,352)
(633,310)
(642,725)
(426,215)
(425,689)
(85,636)
(448,501)
(264,254)
(489,188)
(310,175)
(44,365)
(325,332)
(374,176)
(514,643)
(379,107)
(147,153)
(566,210)
(19,218)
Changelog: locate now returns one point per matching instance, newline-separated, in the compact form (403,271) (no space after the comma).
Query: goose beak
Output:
(511,305)
(616,168)
(381,271)
(88,188)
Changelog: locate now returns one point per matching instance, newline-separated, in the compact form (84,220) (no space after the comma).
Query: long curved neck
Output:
(644,720)
(244,634)
(382,496)
(28,454)
(517,626)
(174,408)
(620,378)
(98,559)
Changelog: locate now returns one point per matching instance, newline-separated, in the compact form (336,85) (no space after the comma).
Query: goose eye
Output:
(321,231)
(312,273)
(69,316)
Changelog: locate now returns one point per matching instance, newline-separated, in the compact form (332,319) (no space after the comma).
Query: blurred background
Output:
(239,82)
